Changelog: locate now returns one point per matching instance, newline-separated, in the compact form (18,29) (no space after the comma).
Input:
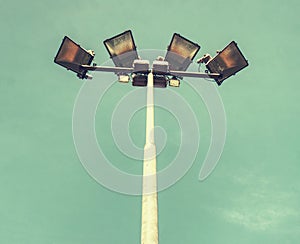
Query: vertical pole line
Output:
(149,230)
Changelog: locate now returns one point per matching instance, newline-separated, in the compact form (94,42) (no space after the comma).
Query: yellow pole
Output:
(149,232)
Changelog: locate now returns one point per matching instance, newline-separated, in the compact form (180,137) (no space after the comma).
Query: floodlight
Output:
(122,49)
(70,55)
(227,62)
(181,53)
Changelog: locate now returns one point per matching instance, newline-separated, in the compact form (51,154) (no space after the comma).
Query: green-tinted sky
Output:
(253,196)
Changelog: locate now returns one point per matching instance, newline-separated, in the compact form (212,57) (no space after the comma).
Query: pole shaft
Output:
(149,230)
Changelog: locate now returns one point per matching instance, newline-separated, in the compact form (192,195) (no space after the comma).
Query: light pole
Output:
(149,226)
(168,70)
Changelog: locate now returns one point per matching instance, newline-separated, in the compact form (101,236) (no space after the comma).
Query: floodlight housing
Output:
(160,67)
(227,62)
(123,78)
(139,80)
(141,66)
(160,81)
(122,49)
(174,81)
(70,55)
(181,52)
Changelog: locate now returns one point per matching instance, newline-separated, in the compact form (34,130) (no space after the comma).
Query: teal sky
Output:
(253,196)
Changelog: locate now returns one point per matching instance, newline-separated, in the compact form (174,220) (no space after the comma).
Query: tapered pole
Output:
(149,231)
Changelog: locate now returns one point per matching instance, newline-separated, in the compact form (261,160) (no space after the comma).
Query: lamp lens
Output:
(120,44)
(71,56)
(181,52)
(183,47)
(228,62)
(122,49)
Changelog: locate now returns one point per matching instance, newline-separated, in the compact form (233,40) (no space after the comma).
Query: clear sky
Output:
(46,196)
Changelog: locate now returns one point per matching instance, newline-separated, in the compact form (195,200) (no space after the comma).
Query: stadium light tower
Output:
(168,70)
